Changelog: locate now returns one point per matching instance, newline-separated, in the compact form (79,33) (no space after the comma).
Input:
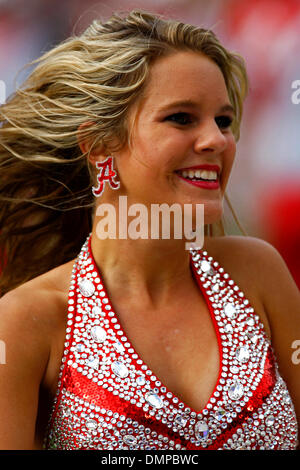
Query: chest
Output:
(180,347)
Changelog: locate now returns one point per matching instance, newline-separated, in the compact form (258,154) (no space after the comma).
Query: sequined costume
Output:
(107,397)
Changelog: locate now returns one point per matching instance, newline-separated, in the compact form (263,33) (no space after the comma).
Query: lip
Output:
(202,184)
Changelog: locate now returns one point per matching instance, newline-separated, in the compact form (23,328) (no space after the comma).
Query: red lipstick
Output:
(201,183)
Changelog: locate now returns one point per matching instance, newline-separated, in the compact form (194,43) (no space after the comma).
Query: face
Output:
(182,147)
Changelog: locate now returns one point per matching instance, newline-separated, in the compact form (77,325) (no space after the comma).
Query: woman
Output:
(136,343)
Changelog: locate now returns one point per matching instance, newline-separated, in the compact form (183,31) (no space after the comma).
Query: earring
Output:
(106,174)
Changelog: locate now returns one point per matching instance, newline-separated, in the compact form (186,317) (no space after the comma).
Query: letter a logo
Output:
(106,174)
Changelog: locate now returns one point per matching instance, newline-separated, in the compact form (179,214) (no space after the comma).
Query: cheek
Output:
(229,157)
(144,152)
(230,152)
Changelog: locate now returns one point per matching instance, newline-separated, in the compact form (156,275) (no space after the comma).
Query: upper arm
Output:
(267,277)
(281,298)
(25,354)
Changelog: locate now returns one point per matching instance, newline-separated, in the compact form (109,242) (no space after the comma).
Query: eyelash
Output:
(219,119)
(226,124)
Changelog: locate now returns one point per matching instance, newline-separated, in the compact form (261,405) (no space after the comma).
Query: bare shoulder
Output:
(32,324)
(38,300)
(261,273)
(256,261)
(248,247)
(34,314)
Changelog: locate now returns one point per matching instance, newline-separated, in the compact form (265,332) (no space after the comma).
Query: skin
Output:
(180,349)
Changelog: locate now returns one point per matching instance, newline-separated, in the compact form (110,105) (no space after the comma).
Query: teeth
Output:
(201,174)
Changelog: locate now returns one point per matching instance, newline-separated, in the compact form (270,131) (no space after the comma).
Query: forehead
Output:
(185,75)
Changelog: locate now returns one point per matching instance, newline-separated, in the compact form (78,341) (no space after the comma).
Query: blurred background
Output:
(265,184)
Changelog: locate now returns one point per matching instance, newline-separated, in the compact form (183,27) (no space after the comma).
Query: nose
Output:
(210,139)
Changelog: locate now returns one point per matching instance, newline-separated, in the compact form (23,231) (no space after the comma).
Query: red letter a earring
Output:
(106,174)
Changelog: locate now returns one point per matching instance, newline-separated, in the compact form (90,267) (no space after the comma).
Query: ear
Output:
(85,141)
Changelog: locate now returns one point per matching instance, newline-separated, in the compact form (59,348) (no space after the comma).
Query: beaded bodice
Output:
(107,397)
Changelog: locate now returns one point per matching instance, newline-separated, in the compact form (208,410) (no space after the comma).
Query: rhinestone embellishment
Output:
(180,420)
(86,287)
(201,430)
(96,311)
(270,420)
(91,424)
(220,414)
(130,440)
(230,311)
(119,347)
(154,400)
(242,354)
(98,334)
(92,362)
(119,369)
(206,267)
(108,398)
(140,380)
(236,390)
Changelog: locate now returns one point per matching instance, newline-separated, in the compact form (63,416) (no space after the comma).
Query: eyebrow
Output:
(192,104)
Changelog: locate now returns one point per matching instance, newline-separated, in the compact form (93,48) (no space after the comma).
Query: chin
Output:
(210,217)
(213,212)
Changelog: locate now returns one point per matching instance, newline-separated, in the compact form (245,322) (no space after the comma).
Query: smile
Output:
(201,177)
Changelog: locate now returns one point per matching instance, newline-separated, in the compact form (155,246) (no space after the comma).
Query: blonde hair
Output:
(45,181)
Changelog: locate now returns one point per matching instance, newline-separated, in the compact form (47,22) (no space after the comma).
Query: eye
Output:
(223,121)
(180,118)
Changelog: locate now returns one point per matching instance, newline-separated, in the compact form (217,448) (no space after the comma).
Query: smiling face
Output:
(182,147)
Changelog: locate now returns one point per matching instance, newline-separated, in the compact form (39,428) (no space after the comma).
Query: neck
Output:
(150,269)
